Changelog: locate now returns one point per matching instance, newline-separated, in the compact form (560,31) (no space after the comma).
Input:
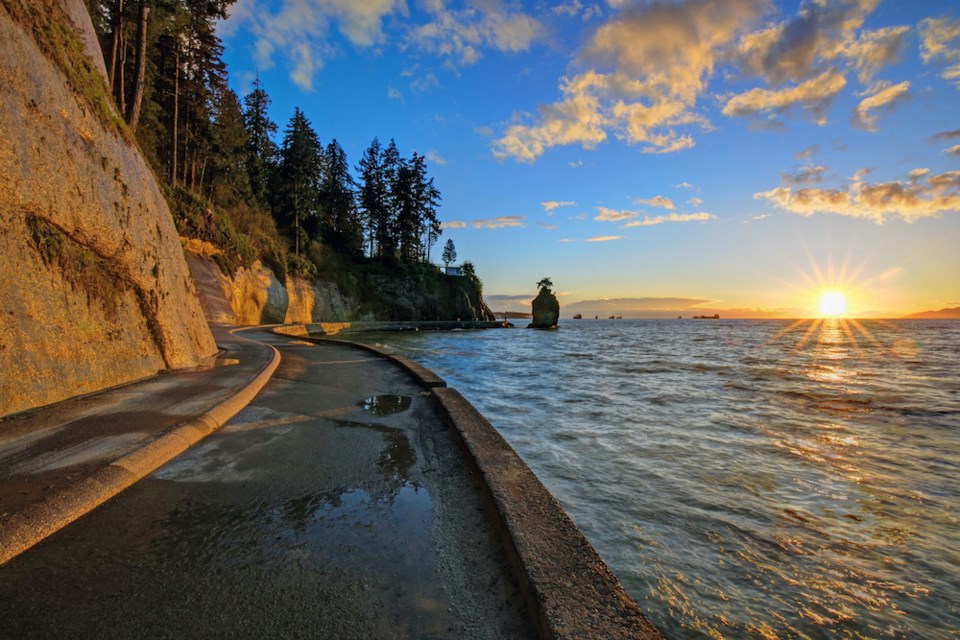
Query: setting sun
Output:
(832,304)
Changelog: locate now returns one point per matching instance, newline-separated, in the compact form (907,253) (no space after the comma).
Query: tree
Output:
(545,283)
(449,253)
(338,207)
(261,150)
(372,197)
(468,271)
(297,181)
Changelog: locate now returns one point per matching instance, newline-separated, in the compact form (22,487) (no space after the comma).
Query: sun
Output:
(833,304)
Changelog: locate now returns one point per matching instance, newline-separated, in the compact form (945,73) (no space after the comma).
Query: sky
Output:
(652,158)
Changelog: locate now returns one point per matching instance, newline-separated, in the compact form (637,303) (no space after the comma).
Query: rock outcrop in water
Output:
(546,307)
(95,290)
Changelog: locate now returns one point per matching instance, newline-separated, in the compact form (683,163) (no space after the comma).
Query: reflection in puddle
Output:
(386,405)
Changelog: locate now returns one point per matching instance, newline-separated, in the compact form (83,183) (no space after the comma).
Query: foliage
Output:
(468,271)
(449,253)
(545,284)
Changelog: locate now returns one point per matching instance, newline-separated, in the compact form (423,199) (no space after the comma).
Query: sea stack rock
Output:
(546,307)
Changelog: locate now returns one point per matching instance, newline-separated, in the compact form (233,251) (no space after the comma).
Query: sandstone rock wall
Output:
(95,289)
(255,296)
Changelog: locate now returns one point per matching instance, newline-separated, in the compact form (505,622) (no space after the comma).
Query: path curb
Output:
(570,591)
(26,528)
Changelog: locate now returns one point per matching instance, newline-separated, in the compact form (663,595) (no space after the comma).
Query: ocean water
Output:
(743,479)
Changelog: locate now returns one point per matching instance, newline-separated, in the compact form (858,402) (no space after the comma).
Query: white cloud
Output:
(953,151)
(453,224)
(672,217)
(657,201)
(695,202)
(499,222)
(394,94)
(885,98)
(461,35)
(548,227)
(683,185)
(435,158)
(603,238)
(550,205)
(921,196)
(299,30)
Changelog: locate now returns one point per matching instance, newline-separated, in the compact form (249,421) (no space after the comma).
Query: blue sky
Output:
(651,157)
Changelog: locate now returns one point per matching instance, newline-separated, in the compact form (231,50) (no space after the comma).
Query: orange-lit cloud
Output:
(603,238)
(550,205)
(453,224)
(940,40)
(673,217)
(813,96)
(922,195)
(884,97)
(660,202)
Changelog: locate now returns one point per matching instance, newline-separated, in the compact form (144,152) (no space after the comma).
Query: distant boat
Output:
(578,317)
(610,318)
(715,316)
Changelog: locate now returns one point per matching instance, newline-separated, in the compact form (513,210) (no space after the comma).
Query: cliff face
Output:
(255,296)
(95,289)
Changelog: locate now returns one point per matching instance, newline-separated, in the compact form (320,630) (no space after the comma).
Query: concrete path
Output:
(61,461)
(336,505)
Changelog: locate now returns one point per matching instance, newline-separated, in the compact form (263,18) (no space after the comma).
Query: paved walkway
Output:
(60,461)
(336,505)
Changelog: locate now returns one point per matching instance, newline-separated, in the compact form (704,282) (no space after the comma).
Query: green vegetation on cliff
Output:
(293,203)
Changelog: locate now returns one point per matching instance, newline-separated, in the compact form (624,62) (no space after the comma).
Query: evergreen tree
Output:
(228,182)
(261,150)
(341,227)
(297,181)
(386,225)
(449,253)
(372,197)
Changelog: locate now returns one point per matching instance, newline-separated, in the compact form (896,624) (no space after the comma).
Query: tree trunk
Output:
(176,114)
(133,113)
(115,41)
(121,92)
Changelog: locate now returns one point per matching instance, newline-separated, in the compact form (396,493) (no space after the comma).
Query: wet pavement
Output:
(336,505)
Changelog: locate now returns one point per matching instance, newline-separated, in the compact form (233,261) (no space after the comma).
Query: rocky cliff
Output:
(255,296)
(95,289)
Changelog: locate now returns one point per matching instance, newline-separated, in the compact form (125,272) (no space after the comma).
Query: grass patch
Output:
(82,268)
(51,30)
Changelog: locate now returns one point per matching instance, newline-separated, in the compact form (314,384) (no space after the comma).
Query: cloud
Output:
(650,65)
(544,225)
(499,222)
(673,217)
(797,50)
(461,35)
(695,202)
(299,30)
(605,214)
(806,175)
(636,307)
(953,151)
(874,50)
(921,196)
(683,185)
(656,201)
(807,153)
(453,224)
(945,135)
(940,39)
(550,205)
(394,94)
(435,158)
(603,238)
(813,96)
(885,98)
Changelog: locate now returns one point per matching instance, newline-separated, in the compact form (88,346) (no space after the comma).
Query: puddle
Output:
(386,405)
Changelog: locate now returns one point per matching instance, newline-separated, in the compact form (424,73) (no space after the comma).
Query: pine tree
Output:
(372,196)
(341,227)
(449,253)
(297,181)
(261,150)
